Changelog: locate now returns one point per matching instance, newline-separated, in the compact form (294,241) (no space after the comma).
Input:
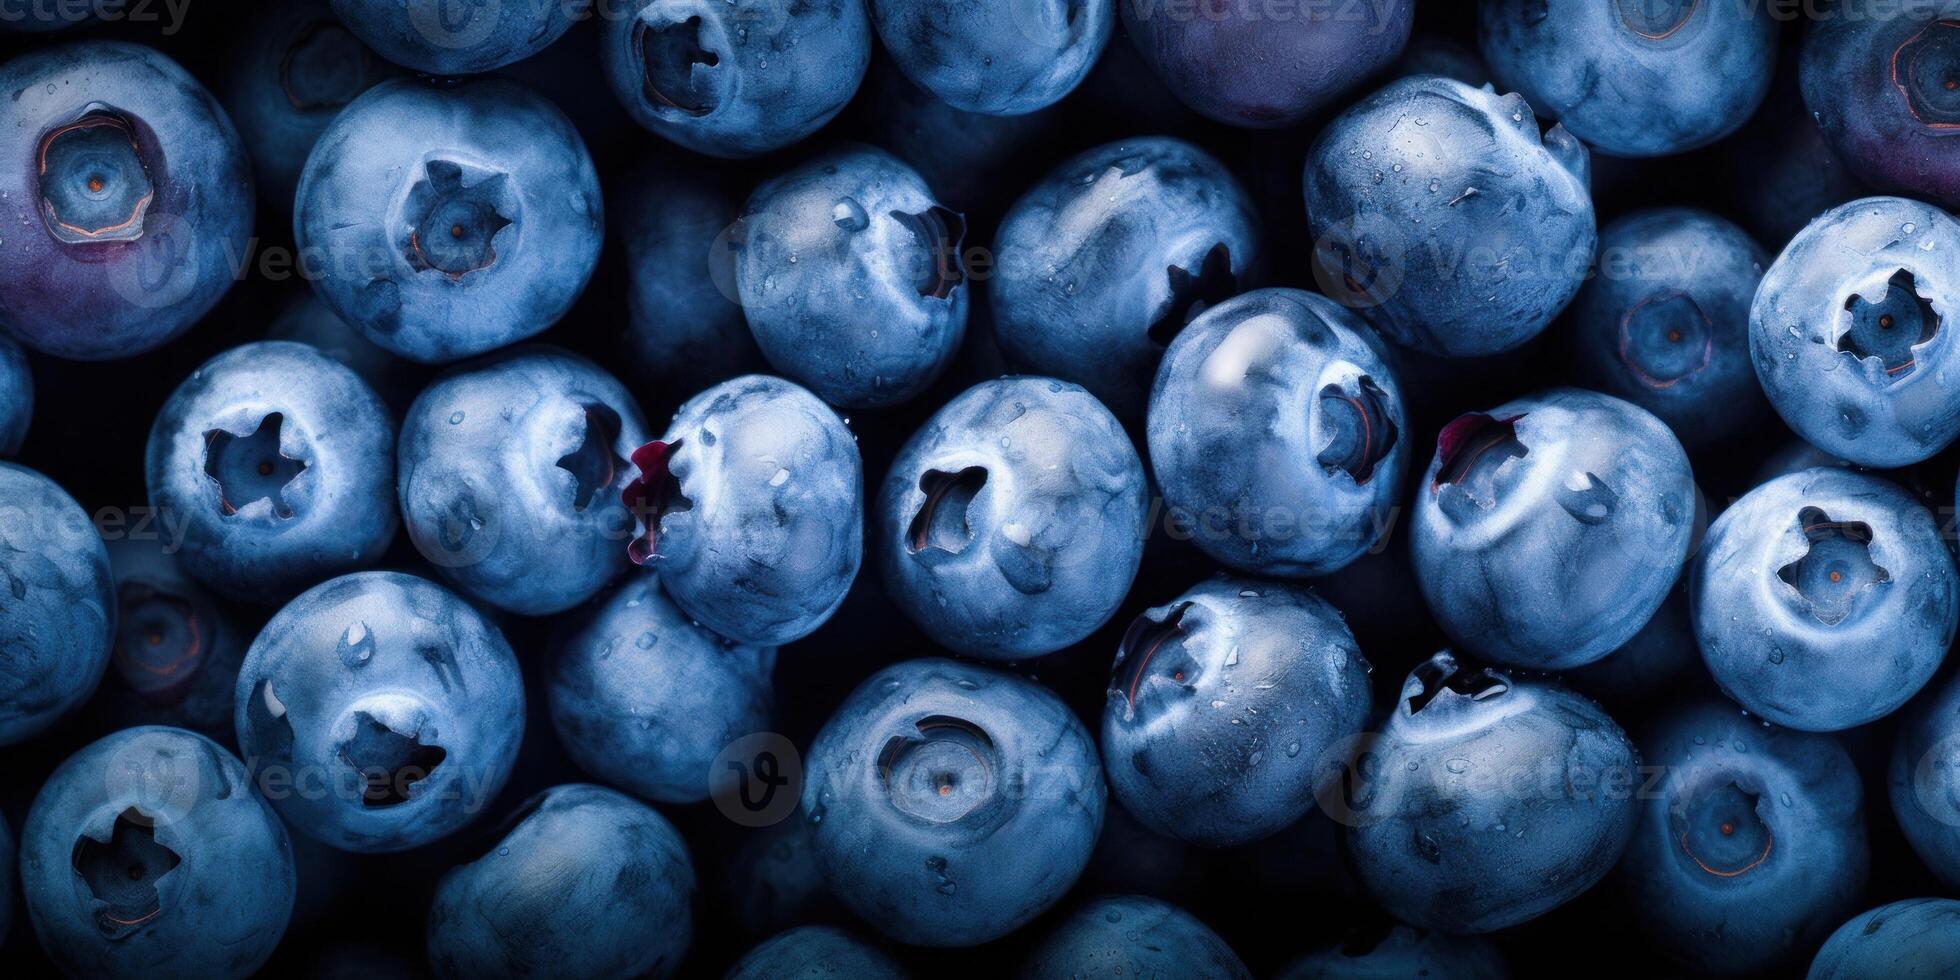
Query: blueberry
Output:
(1278,429)
(852,278)
(1848,331)
(685,328)
(1399,951)
(736,78)
(1489,801)
(177,651)
(647,700)
(126,200)
(1824,599)
(1665,323)
(753,510)
(1751,845)
(1004,58)
(816,953)
(294,72)
(1906,940)
(950,804)
(1012,521)
(1549,529)
(443,37)
(147,853)
(279,463)
(1110,255)
(1463,236)
(1223,705)
(16,396)
(1124,936)
(1634,78)
(1239,67)
(59,613)
(1881,88)
(1924,789)
(379,712)
(1782,171)
(444,221)
(586,882)
(512,470)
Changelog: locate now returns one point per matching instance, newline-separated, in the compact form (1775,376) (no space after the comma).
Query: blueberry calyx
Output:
(1656,21)
(942,522)
(1665,339)
(122,872)
(454,215)
(1142,643)
(677,62)
(1926,71)
(592,465)
(326,67)
(95,184)
(942,773)
(1719,829)
(938,233)
(1471,449)
(390,763)
(1836,567)
(654,494)
(159,644)
(1362,434)
(1443,675)
(252,467)
(1891,330)
(1193,293)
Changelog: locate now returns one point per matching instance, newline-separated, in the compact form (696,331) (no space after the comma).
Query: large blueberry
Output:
(1398,951)
(1223,705)
(587,882)
(1489,801)
(58,615)
(511,476)
(1914,939)
(1925,778)
(1664,322)
(279,465)
(379,712)
(1119,937)
(736,78)
(148,854)
(1250,64)
(685,331)
(445,37)
(1881,87)
(1277,428)
(16,396)
(294,72)
(1634,78)
(814,953)
(177,651)
(1003,57)
(1824,599)
(1751,845)
(949,804)
(1848,331)
(1110,255)
(852,278)
(125,196)
(449,220)
(753,510)
(647,700)
(1549,529)
(1011,525)
(1463,235)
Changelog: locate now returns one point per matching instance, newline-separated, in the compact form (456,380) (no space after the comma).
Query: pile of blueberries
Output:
(1037,572)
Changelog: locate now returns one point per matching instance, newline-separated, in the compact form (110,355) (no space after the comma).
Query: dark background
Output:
(1272,901)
